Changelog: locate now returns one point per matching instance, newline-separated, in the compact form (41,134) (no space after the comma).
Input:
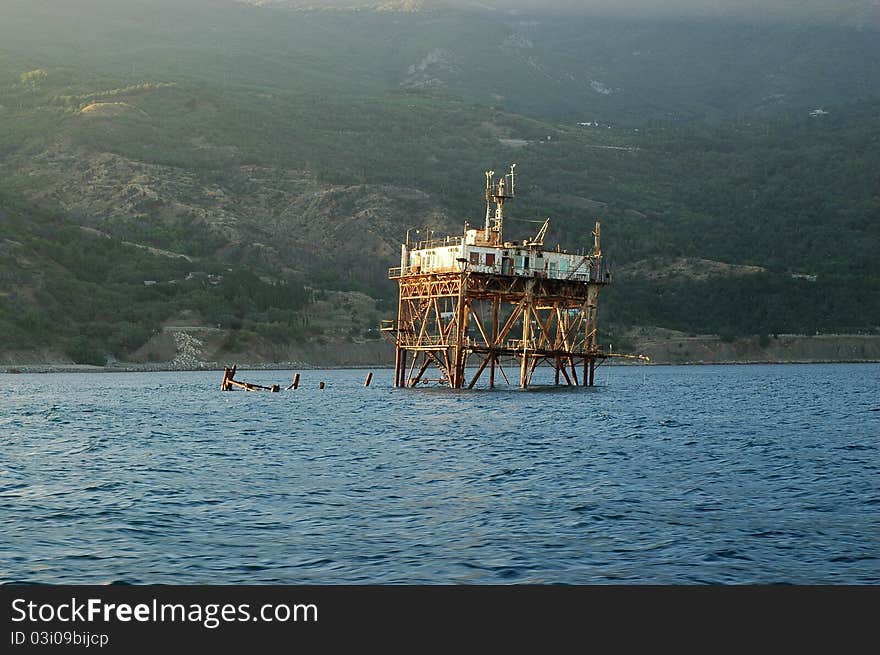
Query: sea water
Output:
(659,474)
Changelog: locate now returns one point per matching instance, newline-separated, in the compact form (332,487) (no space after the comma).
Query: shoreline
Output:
(26,369)
(663,347)
(13,369)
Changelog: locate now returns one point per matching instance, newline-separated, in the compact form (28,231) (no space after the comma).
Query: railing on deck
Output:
(597,275)
(399,271)
(440,242)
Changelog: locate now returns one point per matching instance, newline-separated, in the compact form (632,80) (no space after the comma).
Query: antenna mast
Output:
(497,194)
(489,175)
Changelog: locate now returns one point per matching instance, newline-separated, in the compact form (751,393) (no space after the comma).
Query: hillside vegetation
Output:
(239,166)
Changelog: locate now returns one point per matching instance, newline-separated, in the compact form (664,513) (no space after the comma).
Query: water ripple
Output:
(688,475)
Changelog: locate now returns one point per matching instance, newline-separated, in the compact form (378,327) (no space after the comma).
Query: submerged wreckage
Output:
(229,382)
(478,296)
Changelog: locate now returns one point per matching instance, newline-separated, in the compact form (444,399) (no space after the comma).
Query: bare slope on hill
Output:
(278,215)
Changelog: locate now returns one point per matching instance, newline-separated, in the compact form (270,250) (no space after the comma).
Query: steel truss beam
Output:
(445,318)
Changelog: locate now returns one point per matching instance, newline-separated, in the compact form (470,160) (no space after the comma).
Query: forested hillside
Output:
(238,165)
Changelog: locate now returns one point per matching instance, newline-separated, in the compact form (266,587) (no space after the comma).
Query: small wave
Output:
(315,563)
(502,474)
(103,486)
(774,533)
(256,567)
(852,559)
(727,554)
(585,508)
(12,487)
(509,573)
(673,423)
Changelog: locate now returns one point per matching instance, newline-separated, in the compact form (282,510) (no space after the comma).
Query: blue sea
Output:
(658,475)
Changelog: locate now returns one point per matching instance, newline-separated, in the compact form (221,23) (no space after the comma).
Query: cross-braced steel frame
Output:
(445,319)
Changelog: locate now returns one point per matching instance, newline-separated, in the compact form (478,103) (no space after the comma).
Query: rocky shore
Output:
(661,346)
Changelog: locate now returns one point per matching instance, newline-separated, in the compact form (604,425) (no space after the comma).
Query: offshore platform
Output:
(478,298)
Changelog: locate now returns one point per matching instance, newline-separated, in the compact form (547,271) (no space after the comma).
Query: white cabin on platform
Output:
(462,254)
(484,251)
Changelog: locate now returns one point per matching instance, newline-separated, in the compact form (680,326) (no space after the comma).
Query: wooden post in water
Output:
(321,385)
(295,383)
(369,379)
(228,375)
